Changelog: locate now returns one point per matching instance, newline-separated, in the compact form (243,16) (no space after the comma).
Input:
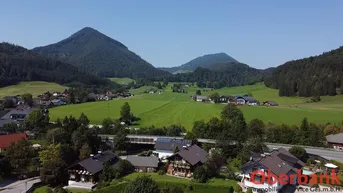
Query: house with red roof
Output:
(6,140)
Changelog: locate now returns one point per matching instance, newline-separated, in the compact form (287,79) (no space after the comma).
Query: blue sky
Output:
(169,33)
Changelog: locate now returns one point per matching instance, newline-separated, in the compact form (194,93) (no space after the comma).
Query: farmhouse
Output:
(86,172)
(144,164)
(335,141)
(6,140)
(186,160)
(278,162)
(225,99)
(270,103)
(245,100)
(164,147)
(200,98)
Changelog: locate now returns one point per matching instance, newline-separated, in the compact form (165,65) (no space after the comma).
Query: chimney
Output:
(92,156)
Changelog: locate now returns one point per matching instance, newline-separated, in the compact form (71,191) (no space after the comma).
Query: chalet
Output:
(164,147)
(201,98)
(57,102)
(270,103)
(16,115)
(186,160)
(144,164)
(6,140)
(278,162)
(245,100)
(335,141)
(86,172)
(225,99)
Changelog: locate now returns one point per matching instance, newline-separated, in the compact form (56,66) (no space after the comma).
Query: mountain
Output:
(206,61)
(95,52)
(19,64)
(312,76)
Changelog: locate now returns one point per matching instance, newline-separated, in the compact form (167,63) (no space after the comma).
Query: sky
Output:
(262,34)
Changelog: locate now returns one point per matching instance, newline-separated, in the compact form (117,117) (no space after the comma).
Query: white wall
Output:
(163,153)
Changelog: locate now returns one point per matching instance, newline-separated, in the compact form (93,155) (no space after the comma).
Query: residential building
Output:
(278,162)
(15,99)
(201,98)
(184,162)
(57,102)
(270,103)
(164,147)
(225,99)
(144,164)
(6,140)
(87,171)
(245,100)
(335,141)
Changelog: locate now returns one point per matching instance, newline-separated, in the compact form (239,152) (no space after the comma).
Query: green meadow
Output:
(123,81)
(35,88)
(175,108)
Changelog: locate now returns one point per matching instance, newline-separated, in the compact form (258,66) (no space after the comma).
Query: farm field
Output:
(175,108)
(43,189)
(123,81)
(35,88)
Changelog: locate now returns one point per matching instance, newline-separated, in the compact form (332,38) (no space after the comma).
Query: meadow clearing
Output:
(34,87)
(123,81)
(176,108)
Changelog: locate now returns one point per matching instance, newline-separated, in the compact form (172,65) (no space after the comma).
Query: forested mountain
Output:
(206,61)
(235,74)
(313,76)
(95,52)
(19,64)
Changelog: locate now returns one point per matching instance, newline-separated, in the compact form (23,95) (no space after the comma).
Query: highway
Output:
(326,153)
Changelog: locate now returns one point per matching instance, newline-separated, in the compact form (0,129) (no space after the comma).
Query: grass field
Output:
(43,189)
(215,185)
(123,81)
(35,88)
(176,108)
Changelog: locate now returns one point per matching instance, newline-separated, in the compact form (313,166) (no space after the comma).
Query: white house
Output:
(164,147)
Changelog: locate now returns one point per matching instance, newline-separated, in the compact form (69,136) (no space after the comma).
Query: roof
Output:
(279,161)
(140,161)
(329,165)
(247,98)
(6,140)
(169,144)
(273,103)
(7,121)
(17,112)
(56,100)
(95,164)
(337,138)
(193,155)
(202,97)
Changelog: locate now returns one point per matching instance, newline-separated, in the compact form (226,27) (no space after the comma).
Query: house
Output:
(201,98)
(245,100)
(85,173)
(186,160)
(335,141)
(278,162)
(270,103)
(164,147)
(6,140)
(144,164)
(15,99)
(16,115)
(57,102)
(225,99)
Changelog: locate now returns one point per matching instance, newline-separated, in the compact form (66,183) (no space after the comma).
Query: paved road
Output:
(327,154)
(20,186)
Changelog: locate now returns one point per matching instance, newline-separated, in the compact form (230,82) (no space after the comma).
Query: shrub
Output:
(238,189)
(161,172)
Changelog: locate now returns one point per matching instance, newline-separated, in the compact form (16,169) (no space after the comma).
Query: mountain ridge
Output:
(95,52)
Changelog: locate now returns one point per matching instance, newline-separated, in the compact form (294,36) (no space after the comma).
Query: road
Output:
(20,186)
(325,153)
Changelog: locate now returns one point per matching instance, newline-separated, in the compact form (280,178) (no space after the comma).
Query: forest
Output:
(312,76)
(19,64)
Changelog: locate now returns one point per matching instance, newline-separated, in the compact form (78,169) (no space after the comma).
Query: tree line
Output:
(312,76)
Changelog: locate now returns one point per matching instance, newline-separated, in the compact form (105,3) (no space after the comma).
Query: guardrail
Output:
(303,146)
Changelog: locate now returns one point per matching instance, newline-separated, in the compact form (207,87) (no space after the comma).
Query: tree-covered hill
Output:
(206,61)
(95,52)
(19,64)
(312,76)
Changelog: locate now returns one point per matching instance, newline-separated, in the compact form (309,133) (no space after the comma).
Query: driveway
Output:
(20,186)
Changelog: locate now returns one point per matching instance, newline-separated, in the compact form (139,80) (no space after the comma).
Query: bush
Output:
(161,172)
(201,175)
(249,190)
(238,189)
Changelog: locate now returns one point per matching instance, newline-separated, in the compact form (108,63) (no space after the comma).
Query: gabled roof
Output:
(140,161)
(247,98)
(6,140)
(95,164)
(193,155)
(18,112)
(168,144)
(279,162)
(336,138)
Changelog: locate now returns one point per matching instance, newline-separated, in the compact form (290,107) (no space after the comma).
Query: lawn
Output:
(124,81)
(43,189)
(35,88)
(214,185)
(176,108)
